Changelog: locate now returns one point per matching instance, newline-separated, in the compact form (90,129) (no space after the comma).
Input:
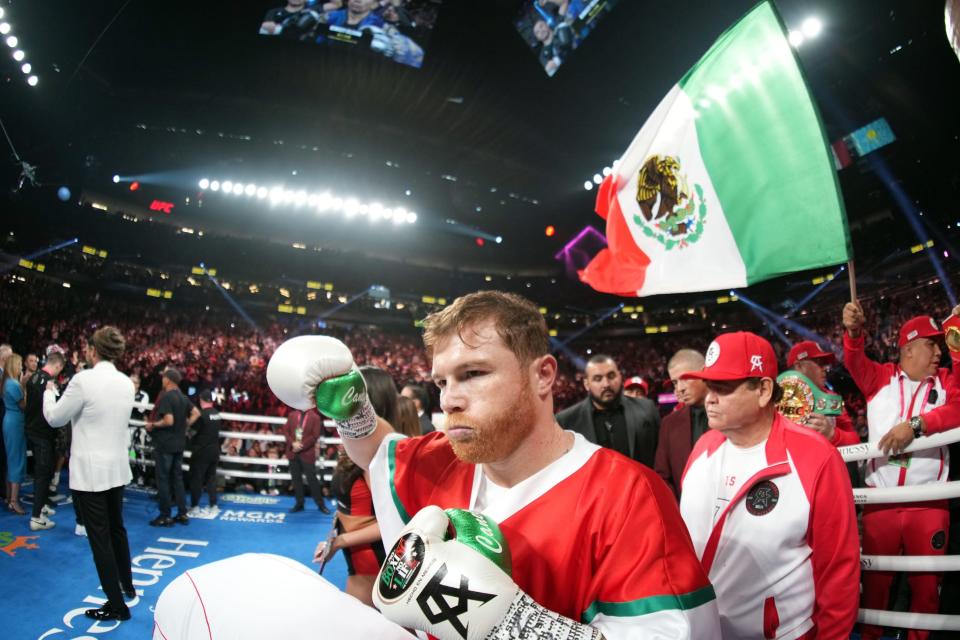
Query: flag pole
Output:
(853,280)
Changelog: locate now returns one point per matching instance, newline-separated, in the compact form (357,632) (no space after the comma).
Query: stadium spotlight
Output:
(204,184)
(1,12)
(4,28)
(250,189)
(811,27)
(588,185)
(499,239)
(227,186)
(795,38)
(597,178)
(26,68)
(33,80)
(606,171)
(214,185)
(116,179)
(12,41)
(261,193)
(19,55)
(238,188)
(411,217)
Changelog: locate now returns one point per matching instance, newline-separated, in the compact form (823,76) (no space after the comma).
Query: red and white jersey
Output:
(594,536)
(783,554)
(893,398)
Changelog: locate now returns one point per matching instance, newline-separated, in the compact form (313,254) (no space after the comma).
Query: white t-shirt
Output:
(738,465)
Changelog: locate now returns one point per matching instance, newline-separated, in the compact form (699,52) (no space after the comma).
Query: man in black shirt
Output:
(169,433)
(610,419)
(42,439)
(204,454)
(293,21)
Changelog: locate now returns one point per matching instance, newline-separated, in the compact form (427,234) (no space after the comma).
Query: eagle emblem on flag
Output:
(670,212)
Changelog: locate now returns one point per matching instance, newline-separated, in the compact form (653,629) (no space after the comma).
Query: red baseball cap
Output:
(809,350)
(737,356)
(637,381)
(919,327)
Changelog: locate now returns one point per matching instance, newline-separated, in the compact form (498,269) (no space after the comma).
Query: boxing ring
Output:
(890,495)
(854,453)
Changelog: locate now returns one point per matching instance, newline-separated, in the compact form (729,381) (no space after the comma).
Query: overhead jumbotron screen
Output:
(395,29)
(555,28)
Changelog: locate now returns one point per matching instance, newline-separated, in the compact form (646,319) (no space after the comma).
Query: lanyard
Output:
(926,383)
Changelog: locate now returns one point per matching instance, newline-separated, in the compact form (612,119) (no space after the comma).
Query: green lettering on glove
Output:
(481,533)
(341,397)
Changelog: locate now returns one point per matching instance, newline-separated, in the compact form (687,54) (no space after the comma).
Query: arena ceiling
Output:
(480,136)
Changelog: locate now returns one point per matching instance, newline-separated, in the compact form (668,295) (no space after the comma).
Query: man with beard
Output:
(682,428)
(610,419)
(539,497)
(913,398)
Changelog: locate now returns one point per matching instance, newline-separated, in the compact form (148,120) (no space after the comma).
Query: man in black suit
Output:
(610,419)
(421,399)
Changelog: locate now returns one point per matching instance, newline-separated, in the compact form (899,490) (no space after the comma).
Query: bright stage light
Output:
(811,27)
(214,185)
(116,179)
(12,41)
(261,193)
(606,171)
(250,189)
(411,217)
(19,55)
(238,189)
(4,28)
(588,185)
(276,195)
(1,12)
(33,80)
(795,38)
(499,239)
(300,198)
(227,186)
(204,184)
(597,178)
(26,68)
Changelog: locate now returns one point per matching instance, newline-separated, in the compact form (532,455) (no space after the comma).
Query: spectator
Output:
(421,401)
(204,455)
(301,433)
(681,429)
(42,439)
(169,434)
(407,422)
(13,437)
(636,387)
(99,402)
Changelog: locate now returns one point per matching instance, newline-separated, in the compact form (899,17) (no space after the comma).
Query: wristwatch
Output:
(917,425)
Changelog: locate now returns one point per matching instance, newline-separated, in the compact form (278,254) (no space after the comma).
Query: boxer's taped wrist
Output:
(527,620)
(362,424)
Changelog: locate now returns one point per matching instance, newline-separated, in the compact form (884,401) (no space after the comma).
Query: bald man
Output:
(681,429)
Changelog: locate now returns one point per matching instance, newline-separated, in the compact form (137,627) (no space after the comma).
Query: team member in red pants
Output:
(904,401)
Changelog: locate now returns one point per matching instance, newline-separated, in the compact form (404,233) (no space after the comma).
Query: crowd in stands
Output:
(228,356)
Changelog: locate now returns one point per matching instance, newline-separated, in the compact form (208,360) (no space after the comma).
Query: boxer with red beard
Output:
(575,540)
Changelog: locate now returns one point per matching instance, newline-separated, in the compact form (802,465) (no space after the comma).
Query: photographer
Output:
(42,439)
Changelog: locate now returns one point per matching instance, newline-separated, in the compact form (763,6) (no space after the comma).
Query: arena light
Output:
(33,80)
(811,27)
(597,178)
(5,28)
(12,41)
(320,202)
(19,55)
(116,179)
(26,68)
(796,38)
(588,185)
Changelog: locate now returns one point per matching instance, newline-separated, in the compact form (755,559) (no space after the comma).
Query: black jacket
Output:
(643,425)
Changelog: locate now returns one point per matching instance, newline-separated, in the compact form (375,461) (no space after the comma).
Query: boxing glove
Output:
(449,575)
(309,371)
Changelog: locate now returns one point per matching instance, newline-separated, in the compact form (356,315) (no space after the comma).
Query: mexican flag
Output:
(729,182)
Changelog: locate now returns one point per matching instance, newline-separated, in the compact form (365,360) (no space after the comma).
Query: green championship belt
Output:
(801,397)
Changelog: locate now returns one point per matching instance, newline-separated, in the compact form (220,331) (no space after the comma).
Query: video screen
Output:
(396,29)
(555,28)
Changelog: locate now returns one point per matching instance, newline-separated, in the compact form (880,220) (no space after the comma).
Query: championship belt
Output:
(801,397)
(951,333)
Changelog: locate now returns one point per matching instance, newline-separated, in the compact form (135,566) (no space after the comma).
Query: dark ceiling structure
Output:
(479,140)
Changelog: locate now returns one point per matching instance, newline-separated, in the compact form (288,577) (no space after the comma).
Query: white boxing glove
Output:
(449,575)
(309,371)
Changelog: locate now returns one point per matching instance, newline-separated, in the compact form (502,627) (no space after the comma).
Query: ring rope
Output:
(934,564)
(869,450)
(908,620)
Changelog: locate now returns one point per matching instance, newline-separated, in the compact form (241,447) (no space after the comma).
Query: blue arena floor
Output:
(49,578)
